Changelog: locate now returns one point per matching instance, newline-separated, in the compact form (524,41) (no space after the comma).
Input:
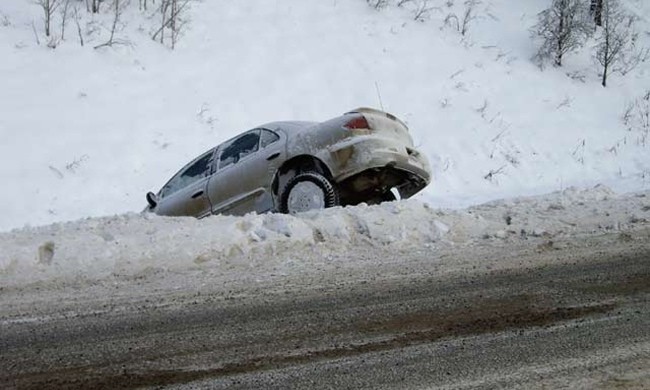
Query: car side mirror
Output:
(152,199)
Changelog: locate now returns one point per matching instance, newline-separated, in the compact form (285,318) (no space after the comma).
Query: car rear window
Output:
(268,137)
(238,148)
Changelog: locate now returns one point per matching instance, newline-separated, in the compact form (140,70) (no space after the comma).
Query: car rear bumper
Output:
(367,152)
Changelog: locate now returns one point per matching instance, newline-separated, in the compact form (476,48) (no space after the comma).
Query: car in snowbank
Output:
(291,167)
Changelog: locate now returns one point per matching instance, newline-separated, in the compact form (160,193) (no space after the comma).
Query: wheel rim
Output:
(306,196)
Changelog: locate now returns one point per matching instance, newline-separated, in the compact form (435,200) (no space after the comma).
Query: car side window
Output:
(238,148)
(267,138)
(192,173)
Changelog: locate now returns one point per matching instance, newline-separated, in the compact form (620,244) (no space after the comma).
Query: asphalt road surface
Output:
(536,314)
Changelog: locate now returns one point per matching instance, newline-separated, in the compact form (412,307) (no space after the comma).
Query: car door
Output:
(186,193)
(245,170)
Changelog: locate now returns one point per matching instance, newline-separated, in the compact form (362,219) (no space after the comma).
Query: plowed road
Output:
(535,314)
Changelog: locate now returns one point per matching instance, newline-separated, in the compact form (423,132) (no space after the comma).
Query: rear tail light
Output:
(357,123)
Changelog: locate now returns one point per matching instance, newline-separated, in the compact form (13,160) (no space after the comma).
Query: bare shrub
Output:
(422,11)
(463,23)
(379,4)
(76,163)
(637,118)
(452,21)
(577,75)
(490,176)
(483,109)
(4,20)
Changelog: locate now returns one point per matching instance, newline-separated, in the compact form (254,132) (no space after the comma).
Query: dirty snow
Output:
(132,243)
(140,245)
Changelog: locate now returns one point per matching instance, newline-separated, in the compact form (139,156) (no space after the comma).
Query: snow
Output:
(130,244)
(86,133)
(144,245)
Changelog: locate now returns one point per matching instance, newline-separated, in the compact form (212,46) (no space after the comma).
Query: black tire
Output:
(330,193)
(388,196)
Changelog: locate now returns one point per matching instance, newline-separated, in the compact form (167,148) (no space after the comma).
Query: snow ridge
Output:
(130,244)
(138,245)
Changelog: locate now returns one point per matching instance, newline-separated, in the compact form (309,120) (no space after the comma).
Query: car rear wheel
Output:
(308,191)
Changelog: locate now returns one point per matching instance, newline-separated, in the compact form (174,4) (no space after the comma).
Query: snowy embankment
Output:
(135,245)
(87,132)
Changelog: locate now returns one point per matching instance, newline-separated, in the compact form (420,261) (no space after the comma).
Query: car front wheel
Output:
(308,191)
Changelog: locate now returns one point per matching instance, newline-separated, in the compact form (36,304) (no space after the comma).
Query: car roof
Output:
(289,126)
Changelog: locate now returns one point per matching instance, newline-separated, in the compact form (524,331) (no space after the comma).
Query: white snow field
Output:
(86,133)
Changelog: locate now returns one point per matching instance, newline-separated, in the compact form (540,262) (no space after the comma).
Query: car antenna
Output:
(379,96)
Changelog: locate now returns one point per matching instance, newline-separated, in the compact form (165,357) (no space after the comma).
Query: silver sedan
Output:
(365,155)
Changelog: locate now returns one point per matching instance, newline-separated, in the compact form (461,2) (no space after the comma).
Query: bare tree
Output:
(38,41)
(118,9)
(176,22)
(618,48)
(76,21)
(48,7)
(173,18)
(164,8)
(64,17)
(563,28)
(596,10)
(94,6)
(468,15)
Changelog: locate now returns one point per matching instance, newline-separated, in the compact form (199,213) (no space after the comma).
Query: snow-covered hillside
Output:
(87,132)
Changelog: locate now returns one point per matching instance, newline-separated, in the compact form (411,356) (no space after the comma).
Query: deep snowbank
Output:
(132,243)
(135,245)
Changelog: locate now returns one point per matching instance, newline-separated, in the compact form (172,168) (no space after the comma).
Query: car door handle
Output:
(196,195)
(273,156)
